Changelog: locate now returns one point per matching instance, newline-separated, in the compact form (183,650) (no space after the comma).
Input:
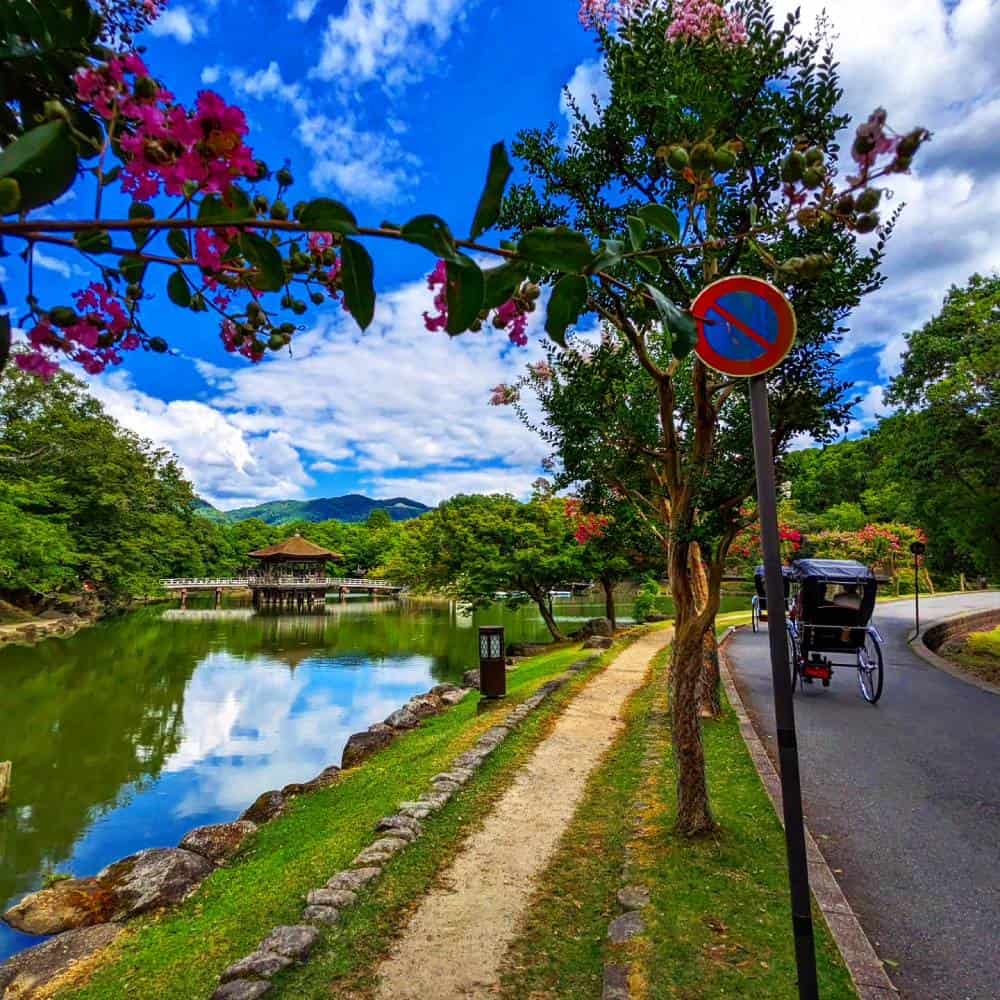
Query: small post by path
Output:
(492,663)
(6,767)
(918,549)
(746,327)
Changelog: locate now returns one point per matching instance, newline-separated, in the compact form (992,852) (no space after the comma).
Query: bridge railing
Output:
(333,582)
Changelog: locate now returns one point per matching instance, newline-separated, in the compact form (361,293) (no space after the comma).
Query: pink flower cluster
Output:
(513,317)
(503,395)
(541,370)
(437,282)
(706,21)
(235,343)
(600,13)
(586,527)
(871,142)
(107,89)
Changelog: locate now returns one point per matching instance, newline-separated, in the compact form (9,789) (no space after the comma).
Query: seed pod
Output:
(792,168)
(284,177)
(866,223)
(198,303)
(286,301)
(299,307)
(260,203)
(812,178)
(279,210)
(814,156)
(845,204)
(254,310)
(287,328)
(702,155)
(146,88)
(262,171)
(724,159)
(678,158)
(10,195)
(318,298)
(157,345)
(868,199)
(277,341)
(63,316)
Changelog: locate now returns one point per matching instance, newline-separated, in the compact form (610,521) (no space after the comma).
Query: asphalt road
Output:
(904,800)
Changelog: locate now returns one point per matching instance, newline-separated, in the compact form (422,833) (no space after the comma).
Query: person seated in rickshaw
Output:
(849,596)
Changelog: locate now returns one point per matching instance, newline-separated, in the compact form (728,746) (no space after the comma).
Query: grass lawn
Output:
(978,653)
(719,924)
(179,954)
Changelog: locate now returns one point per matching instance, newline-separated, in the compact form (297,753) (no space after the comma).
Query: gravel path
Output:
(904,798)
(456,939)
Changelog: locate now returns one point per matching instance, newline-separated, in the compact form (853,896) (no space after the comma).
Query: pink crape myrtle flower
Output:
(437,282)
(247,346)
(706,21)
(503,395)
(511,316)
(36,363)
(541,370)
(318,242)
(595,14)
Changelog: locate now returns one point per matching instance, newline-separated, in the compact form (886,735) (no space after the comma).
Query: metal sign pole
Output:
(784,713)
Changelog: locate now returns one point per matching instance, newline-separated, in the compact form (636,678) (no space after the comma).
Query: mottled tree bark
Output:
(541,599)
(710,696)
(609,602)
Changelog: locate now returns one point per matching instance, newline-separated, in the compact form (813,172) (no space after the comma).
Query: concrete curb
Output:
(867,972)
(921,649)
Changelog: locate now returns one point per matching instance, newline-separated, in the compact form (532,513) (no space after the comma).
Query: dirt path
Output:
(454,944)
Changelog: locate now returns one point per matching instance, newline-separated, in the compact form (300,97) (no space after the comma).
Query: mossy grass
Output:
(978,653)
(179,954)
(718,924)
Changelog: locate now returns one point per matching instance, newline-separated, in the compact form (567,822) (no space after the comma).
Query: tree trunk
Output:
(609,602)
(542,601)
(693,814)
(711,684)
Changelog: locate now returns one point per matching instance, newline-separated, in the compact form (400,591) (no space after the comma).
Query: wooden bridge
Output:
(331,584)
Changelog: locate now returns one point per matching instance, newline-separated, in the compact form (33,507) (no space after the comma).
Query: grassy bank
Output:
(978,653)
(719,924)
(180,954)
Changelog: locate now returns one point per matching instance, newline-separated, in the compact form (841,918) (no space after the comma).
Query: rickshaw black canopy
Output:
(758,581)
(833,624)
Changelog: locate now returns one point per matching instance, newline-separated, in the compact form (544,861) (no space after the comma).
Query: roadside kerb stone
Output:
(325,915)
(257,965)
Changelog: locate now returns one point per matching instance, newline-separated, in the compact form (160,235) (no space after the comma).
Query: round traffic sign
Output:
(745,326)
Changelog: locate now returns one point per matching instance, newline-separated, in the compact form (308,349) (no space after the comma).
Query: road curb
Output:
(867,971)
(921,649)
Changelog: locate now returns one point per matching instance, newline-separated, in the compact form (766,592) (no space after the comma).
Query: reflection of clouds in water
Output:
(253,724)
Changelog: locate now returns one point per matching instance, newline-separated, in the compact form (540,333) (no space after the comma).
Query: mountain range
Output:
(350,508)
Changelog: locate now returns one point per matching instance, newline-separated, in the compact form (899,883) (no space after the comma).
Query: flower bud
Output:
(146,88)
(792,168)
(814,156)
(284,177)
(279,210)
(812,178)
(157,345)
(702,154)
(133,292)
(868,199)
(866,223)
(724,159)
(678,158)
(299,307)
(317,298)
(845,204)
(277,341)
(912,141)
(63,316)
(260,204)
(262,171)
(287,328)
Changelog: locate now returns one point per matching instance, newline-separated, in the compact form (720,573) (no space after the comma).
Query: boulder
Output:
(266,806)
(292,942)
(402,718)
(257,965)
(65,905)
(153,878)
(29,970)
(220,841)
(353,880)
(340,898)
(625,927)
(327,777)
(362,745)
(470,679)
(400,826)
(242,989)
(423,706)
(325,915)
(598,642)
(453,697)
(442,689)
(594,626)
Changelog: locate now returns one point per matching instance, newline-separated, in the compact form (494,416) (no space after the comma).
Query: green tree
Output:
(475,547)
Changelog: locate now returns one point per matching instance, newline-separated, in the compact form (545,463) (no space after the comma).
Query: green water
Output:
(128,734)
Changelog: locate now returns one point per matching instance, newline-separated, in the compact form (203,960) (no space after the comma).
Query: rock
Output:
(470,679)
(633,897)
(28,970)
(293,942)
(453,697)
(656,617)
(340,898)
(380,851)
(446,785)
(616,983)
(292,790)
(594,626)
(598,642)
(625,927)
(423,706)
(402,718)
(65,905)
(325,915)
(395,825)
(418,810)
(242,989)
(443,689)
(527,648)
(407,833)
(257,965)
(220,841)
(362,745)
(153,878)
(266,806)
(435,800)
(327,777)
(353,880)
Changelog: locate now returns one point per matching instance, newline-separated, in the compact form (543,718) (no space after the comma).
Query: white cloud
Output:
(302,10)
(64,268)
(390,42)
(178,23)
(587,82)
(404,409)
(211,74)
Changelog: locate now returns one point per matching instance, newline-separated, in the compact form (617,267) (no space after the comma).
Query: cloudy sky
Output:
(391,105)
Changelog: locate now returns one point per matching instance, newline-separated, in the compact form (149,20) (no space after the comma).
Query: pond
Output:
(128,734)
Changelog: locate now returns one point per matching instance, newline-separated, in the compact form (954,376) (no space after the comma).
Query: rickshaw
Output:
(831,617)
(758,603)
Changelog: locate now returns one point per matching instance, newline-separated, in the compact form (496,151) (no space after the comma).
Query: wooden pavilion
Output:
(291,576)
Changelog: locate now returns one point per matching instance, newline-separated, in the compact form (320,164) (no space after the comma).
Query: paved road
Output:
(904,800)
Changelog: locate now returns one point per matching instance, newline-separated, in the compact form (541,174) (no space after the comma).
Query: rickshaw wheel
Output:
(793,662)
(870,669)
(754,618)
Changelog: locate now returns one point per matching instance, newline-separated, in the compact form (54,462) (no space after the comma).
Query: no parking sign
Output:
(745,326)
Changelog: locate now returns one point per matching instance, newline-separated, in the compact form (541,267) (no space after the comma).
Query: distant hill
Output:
(351,508)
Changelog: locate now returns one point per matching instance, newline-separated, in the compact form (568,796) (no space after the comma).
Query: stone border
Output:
(945,628)
(249,977)
(867,972)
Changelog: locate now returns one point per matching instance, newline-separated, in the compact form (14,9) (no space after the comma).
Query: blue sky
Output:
(391,105)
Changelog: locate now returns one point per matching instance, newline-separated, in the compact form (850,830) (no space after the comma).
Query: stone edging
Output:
(929,639)
(249,977)
(867,971)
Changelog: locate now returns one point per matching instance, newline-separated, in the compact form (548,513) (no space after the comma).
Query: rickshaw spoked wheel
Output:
(754,618)
(793,662)
(870,669)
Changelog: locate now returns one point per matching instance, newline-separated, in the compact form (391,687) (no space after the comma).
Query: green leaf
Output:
(265,257)
(661,218)
(558,249)
(177,289)
(235,207)
(432,233)
(678,324)
(133,270)
(497,175)
(501,283)
(567,302)
(357,281)
(140,210)
(178,242)
(324,215)
(609,255)
(93,241)
(636,232)
(43,161)
(464,289)
(651,265)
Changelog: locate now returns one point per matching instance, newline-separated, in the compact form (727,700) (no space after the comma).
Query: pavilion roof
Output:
(295,549)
